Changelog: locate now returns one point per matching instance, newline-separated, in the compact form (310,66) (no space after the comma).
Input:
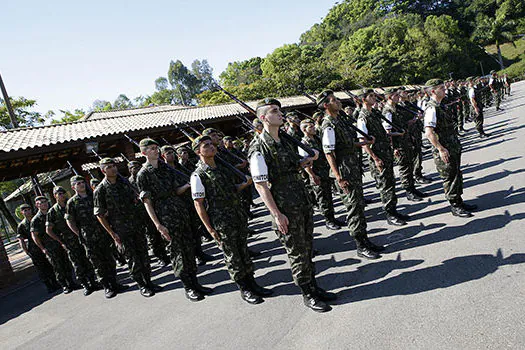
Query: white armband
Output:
(197,188)
(329,139)
(258,167)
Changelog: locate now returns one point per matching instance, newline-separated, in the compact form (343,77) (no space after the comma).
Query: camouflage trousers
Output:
(451,175)
(235,250)
(100,252)
(478,120)
(154,239)
(354,203)
(135,251)
(58,259)
(406,167)
(77,256)
(323,197)
(386,183)
(417,154)
(43,268)
(298,243)
(497,98)
(182,245)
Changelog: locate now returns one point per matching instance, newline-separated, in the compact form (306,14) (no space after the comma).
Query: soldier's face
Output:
(184,155)
(60,196)
(207,149)
(134,170)
(309,129)
(440,91)
(151,152)
(42,205)
(395,97)
(79,186)
(26,212)
(215,138)
(110,170)
(228,143)
(273,116)
(169,156)
(333,104)
(370,99)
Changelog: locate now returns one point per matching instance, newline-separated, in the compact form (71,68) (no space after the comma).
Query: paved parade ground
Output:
(443,283)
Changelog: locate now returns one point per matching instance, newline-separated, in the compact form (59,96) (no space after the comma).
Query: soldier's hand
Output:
(444,155)
(249,180)
(118,242)
(215,236)
(282,223)
(379,164)
(164,232)
(397,153)
(343,184)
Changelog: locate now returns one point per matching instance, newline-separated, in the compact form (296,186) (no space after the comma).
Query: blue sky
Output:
(66,54)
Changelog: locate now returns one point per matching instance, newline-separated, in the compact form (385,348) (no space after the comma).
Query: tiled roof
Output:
(43,179)
(120,122)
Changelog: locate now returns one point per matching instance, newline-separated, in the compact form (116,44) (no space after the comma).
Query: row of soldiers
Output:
(162,201)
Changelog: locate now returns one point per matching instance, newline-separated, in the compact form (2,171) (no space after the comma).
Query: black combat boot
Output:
(264,292)
(422,179)
(412,196)
(190,291)
(394,220)
(109,290)
(312,300)
(458,210)
(154,287)
(364,251)
(87,288)
(247,294)
(331,225)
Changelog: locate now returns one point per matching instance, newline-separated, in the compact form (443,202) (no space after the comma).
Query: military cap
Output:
(321,98)
(94,182)
(76,178)
(25,206)
(306,121)
(401,88)
(318,114)
(492,72)
(181,149)
(40,198)
(366,91)
(166,148)
(195,144)
(57,189)
(390,90)
(291,114)
(210,131)
(227,138)
(106,161)
(268,101)
(256,122)
(134,163)
(147,142)
(433,82)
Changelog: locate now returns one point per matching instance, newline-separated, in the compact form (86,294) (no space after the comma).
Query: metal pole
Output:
(482,71)
(8,104)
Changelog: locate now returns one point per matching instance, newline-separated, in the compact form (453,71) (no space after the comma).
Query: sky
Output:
(66,54)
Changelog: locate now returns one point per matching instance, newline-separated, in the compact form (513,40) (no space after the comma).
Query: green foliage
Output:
(68,116)
(23,113)
(242,73)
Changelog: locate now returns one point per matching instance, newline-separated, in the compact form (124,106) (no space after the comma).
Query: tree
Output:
(161,83)
(242,73)
(204,73)
(68,116)
(184,82)
(122,102)
(22,110)
(102,106)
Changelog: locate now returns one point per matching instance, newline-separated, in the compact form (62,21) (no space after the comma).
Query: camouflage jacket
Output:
(223,201)
(445,127)
(287,188)
(381,147)
(320,166)
(24,232)
(119,203)
(56,220)
(79,210)
(38,225)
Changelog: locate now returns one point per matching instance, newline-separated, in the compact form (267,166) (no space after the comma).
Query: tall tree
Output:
(204,73)
(184,83)
(23,113)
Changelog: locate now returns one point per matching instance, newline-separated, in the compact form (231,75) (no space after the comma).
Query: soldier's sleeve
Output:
(21,231)
(328,139)
(50,218)
(144,189)
(361,125)
(197,187)
(70,211)
(430,118)
(471,93)
(34,225)
(258,166)
(99,201)
(388,116)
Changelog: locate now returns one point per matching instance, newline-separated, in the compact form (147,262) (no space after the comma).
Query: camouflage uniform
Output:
(415,132)
(154,238)
(478,117)
(55,253)
(382,148)
(322,193)
(43,267)
(79,210)
(159,185)
(227,218)
(403,144)
(75,251)
(450,173)
(291,198)
(348,165)
(119,203)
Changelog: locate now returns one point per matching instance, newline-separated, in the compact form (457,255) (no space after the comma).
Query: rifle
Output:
(180,173)
(70,166)
(124,157)
(236,171)
(91,174)
(36,186)
(51,180)
(239,159)
(284,135)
